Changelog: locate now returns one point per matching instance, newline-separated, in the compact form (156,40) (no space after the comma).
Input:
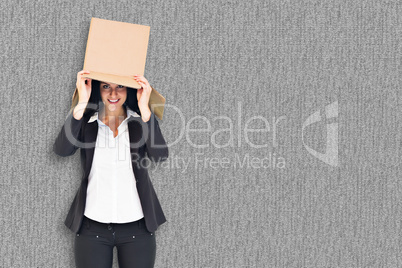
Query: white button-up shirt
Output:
(112,192)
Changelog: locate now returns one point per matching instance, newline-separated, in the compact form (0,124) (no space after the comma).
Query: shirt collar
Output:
(129,113)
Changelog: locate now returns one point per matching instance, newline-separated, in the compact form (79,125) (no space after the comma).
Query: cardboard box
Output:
(115,52)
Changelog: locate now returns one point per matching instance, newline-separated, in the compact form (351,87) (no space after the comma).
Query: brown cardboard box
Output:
(115,52)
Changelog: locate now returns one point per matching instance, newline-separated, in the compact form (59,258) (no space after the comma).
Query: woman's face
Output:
(113,95)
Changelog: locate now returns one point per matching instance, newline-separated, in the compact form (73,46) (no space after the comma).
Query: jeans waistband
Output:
(140,223)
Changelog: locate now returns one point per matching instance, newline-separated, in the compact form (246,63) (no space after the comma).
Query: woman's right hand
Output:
(84,89)
(84,92)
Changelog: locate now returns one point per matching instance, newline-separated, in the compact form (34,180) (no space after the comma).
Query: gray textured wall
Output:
(329,74)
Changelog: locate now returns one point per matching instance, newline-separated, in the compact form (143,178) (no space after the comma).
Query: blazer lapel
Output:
(91,132)
(135,134)
(136,142)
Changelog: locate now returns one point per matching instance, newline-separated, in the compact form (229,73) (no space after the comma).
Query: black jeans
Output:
(94,243)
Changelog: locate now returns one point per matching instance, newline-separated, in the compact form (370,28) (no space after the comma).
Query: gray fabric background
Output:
(275,59)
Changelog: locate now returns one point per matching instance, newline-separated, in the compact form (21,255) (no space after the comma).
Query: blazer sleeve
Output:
(155,144)
(66,143)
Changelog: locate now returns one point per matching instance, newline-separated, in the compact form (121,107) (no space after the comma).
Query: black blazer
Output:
(145,140)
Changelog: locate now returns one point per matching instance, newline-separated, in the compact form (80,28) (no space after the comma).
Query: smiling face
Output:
(113,96)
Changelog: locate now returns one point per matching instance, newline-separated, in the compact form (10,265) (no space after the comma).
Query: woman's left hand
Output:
(143,95)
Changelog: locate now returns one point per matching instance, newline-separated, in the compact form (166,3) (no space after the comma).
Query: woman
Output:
(116,204)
